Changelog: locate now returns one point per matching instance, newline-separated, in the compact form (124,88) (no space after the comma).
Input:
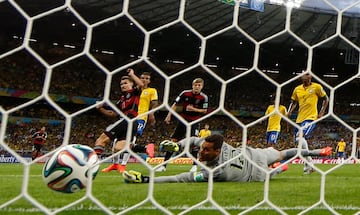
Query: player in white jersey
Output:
(231,163)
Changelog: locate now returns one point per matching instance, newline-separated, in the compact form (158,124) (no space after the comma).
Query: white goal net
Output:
(59,57)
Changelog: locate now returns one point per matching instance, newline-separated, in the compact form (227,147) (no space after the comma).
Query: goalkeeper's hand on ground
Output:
(169,146)
(133,177)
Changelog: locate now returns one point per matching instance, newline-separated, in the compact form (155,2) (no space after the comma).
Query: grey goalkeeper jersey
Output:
(231,165)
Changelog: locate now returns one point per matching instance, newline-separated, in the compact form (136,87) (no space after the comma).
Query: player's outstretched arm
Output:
(136,177)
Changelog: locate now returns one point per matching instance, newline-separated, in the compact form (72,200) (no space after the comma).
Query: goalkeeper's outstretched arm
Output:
(136,177)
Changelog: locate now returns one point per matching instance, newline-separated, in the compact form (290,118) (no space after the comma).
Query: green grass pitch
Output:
(291,191)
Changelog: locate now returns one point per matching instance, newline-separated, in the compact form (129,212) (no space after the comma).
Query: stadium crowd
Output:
(90,83)
(86,127)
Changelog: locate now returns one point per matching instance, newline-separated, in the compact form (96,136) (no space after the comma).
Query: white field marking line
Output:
(37,175)
(234,207)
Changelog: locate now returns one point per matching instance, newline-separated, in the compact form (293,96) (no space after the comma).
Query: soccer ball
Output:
(67,171)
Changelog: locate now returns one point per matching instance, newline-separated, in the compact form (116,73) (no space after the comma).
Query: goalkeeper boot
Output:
(283,167)
(326,151)
(278,168)
(169,146)
(132,176)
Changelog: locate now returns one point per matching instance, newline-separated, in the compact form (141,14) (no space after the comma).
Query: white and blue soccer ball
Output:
(69,169)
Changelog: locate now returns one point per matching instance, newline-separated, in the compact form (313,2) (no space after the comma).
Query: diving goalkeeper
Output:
(229,163)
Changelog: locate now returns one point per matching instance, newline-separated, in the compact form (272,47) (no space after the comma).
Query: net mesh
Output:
(228,68)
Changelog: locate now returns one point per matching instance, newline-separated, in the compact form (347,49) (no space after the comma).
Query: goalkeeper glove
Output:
(133,177)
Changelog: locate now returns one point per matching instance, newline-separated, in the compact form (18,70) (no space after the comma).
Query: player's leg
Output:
(194,150)
(149,148)
(36,151)
(271,141)
(100,143)
(105,138)
(115,160)
(267,136)
(120,145)
(307,169)
(273,158)
(290,153)
(271,138)
(307,129)
(140,127)
(341,157)
(178,134)
(114,132)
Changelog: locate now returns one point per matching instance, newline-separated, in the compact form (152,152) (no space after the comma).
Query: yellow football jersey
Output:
(147,95)
(204,133)
(341,146)
(307,98)
(275,119)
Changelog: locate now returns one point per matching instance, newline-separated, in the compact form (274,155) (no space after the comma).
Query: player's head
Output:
(126,83)
(197,85)
(306,77)
(272,98)
(206,126)
(211,147)
(145,77)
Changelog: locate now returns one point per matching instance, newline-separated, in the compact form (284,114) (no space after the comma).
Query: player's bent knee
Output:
(120,145)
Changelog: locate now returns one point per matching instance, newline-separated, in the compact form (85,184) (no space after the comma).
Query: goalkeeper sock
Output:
(289,153)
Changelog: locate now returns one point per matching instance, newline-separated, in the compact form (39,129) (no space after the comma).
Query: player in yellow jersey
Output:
(306,97)
(274,122)
(340,149)
(148,100)
(274,125)
(205,131)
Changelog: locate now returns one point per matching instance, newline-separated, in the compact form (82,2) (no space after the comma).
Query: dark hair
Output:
(125,77)
(217,139)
